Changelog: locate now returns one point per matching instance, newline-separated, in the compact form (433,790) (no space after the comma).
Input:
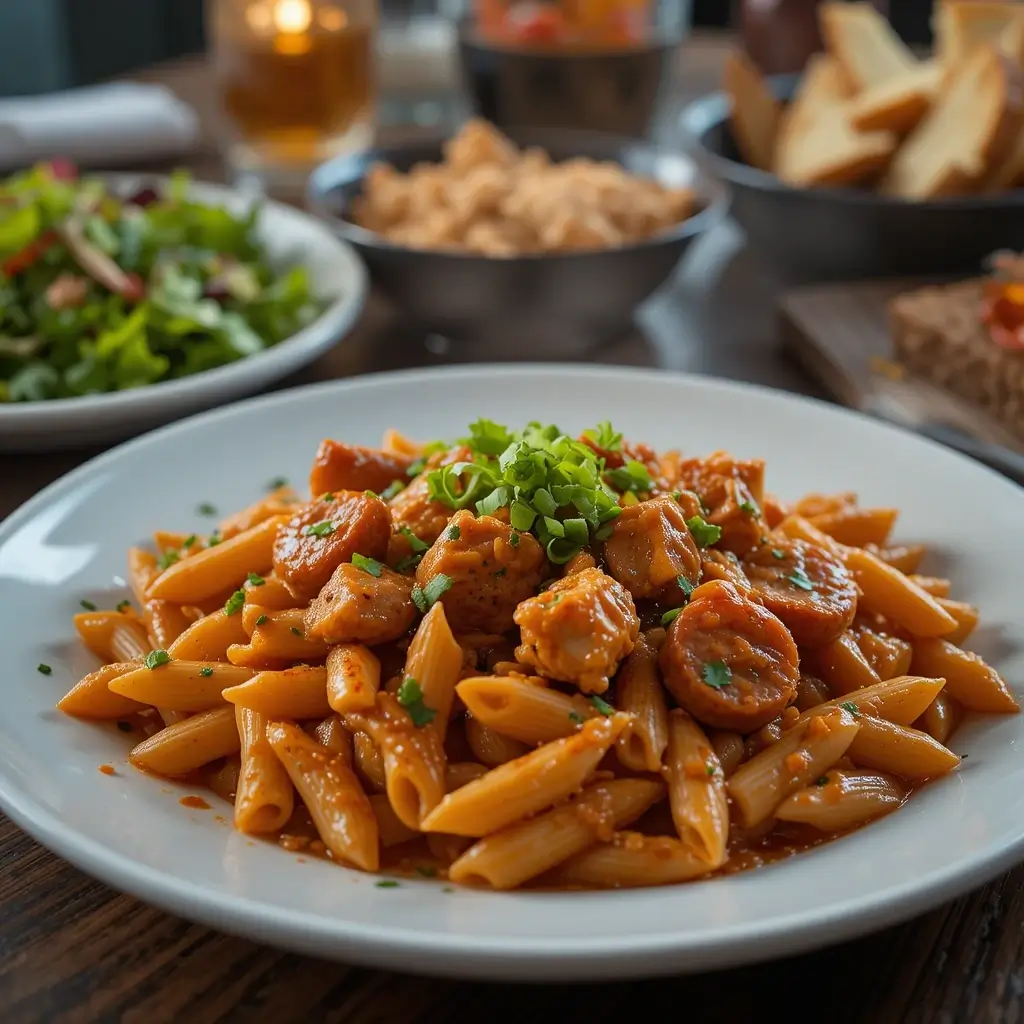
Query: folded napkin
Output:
(96,125)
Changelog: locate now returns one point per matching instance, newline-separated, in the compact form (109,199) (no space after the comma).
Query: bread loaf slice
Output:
(898,103)
(865,44)
(961,26)
(754,116)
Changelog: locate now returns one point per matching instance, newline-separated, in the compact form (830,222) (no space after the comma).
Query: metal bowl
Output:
(832,234)
(525,306)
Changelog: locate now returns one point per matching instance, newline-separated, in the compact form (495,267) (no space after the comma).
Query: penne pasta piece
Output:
(180,685)
(886,591)
(905,557)
(248,657)
(299,692)
(639,692)
(331,792)
(447,849)
(728,748)
(934,585)
(164,623)
(969,679)
(900,700)
(369,765)
(842,800)
(843,667)
(223,778)
(631,860)
(797,528)
(270,595)
(332,734)
(941,718)
(888,656)
(414,759)
(264,798)
(112,636)
(280,501)
(530,784)
(462,772)
(906,752)
(490,747)
(435,662)
(506,859)
(210,572)
(696,790)
(142,571)
(391,831)
(209,638)
(281,636)
(810,692)
(353,678)
(396,443)
(522,710)
(803,754)
(966,616)
(856,526)
(187,745)
(91,697)
(816,504)
(171,717)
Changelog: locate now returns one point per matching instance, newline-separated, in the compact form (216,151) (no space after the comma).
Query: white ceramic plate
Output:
(291,237)
(130,831)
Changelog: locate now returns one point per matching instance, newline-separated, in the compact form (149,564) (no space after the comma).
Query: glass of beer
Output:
(296,81)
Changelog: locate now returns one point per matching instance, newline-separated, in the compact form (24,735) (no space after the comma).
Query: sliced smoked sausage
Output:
(348,467)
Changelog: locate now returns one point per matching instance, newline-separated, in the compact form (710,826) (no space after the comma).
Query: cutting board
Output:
(840,334)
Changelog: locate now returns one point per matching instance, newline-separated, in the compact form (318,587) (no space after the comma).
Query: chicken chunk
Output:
(805,586)
(731,491)
(492,568)
(729,661)
(325,533)
(650,547)
(578,630)
(356,606)
(347,467)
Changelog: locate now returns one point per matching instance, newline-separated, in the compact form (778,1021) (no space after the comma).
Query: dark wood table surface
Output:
(73,950)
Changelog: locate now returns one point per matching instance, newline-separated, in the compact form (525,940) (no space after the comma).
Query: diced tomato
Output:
(63,169)
(537,23)
(32,252)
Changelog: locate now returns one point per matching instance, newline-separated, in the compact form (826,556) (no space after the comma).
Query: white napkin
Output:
(96,125)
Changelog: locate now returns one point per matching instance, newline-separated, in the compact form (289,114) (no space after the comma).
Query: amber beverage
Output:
(296,80)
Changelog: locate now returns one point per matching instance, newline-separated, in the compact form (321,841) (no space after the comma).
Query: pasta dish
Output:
(524,658)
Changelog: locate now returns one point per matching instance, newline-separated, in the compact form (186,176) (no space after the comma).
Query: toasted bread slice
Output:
(1011,39)
(864,43)
(755,111)
(961,26)
(1009,172)
(970,130)
(899,102)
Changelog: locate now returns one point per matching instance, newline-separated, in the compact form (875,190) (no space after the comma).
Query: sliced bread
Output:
(754,117)
(898,103)
(969,130)
(865,44)
(961,26)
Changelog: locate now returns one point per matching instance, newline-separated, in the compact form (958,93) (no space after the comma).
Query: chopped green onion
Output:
(167,559)
(514,539)
(822,781)
(605,437)
(670,616)
(233,605)
(602,705)
(387,883)
(277,483)
(370,565)
(633,476)
(704,533)
(324,529)
(685,586)
(255,580)
(414,542)
(750,507)
(426,597)
(297,631)
(87,605)
(410,696)
(157,658)
(214,539)
(409,562)
(206,509)
(393,488)
(498,498)
(778,553)
(576,717)
(426,870)
(123,606)
(262,620)
(189,541)
(848,705)
(44,669)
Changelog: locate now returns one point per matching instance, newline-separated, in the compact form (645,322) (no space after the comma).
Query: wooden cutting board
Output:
(840,334)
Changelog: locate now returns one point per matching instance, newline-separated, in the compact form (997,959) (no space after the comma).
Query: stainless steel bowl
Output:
(832,234)
(527,306)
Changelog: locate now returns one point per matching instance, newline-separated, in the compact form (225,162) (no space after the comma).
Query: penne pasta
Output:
(390,829)
(142,571)
(641,694)
(900,700)
(966,616)
(728,748)
(941,718)
(91,696)
(189,744)
(491,747)
(696,790)
(332,734)
(264,798)
(531,783)
(844,668)
(336,802)
(842,800)
(299,692)
(934,585)
(631,860)
(369,765)
(180,685)
(164,623)
(975,684)
(435,662)
(281,637)
(905,557)
(353,678)
(270,595)
(112,636)
(888,656)
(209,638)
(223,778)
(516,854)
(462,772)
(901,750)
(856,526)
(280,501)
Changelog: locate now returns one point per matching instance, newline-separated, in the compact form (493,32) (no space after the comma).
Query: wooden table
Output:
(72,950)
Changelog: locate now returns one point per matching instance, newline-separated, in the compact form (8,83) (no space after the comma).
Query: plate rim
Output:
(508,957)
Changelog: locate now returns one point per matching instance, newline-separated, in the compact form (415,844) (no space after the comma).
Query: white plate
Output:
(291,237)
(130,831)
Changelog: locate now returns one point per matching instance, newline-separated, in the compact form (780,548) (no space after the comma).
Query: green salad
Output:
(100,292)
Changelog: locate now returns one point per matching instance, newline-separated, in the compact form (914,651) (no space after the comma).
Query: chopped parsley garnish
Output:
(501,572)
(823,781)
(43,669)
(453,532)
(124,726)
(716,674)
(234,604)
(447,888)
(576,717)
(123,606)
(848,705)
(605,437)
(206,509)
(684,585)
(262,620)
(704,533)
(157,658)
(799,579)
(214,539)
(167,559)
(255,580)
(426,597)
(297,631)
(87,605)
(329,496)
(553,486)
(368,493)
(189,541)
(750,507)
(410,696)
(393,488)
(324,529)
(277,483)
(370,565)
(602,705)
(426,870)
(710,769)
(206,672)
(778,553)
(387,883)
(414,542)
(514,539)
(670,616)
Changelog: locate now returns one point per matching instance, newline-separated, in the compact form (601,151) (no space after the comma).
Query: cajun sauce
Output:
(195,802)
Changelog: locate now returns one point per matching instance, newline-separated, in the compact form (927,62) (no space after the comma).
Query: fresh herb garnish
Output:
(214,539)
(848,705)
(123,606)
(297,631)
(255,580)
(409,562)
(387,883)
(670,616)
(501,572)
(750,507)
(324,529)
(44,669)
(157,658)
(393,488)
(410,696)
(329,496)
(87,605)
(799,579)
(370,565)
(685,586)
(602,705)
(778,553)
(206,672)
(167,559)
(414,542)
(576,717)
(823,781)
(453,532)
(716,674)
(710,769)
(262,620)
(605,437)
(704,533)
(206,509)
(426,870)
(632,477)
(426,597)
(514,539)
(189,541)
(277,483)
(367,493)
(234,604)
